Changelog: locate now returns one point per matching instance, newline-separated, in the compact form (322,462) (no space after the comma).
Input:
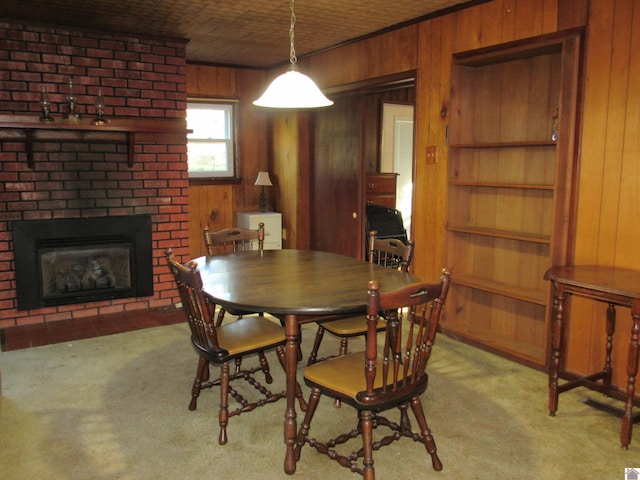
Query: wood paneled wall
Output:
(267,141)
(386,54)
(488,24)
(209,205)
(609,172)
(608,231)
(428,47)
(291,176)
(216,204)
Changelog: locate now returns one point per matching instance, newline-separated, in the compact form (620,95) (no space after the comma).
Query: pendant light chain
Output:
(292,51)
(292,89)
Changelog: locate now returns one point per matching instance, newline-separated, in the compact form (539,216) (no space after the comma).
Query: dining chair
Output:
(388,252)
(387,375)
(230,240)
(221,345)
(236,239)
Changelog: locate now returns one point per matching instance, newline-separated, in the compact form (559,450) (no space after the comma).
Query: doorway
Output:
(345,146)
(396,153)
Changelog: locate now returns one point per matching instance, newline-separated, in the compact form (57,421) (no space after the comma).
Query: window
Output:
(210,146)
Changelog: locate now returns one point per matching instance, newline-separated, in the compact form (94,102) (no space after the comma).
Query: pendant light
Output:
(292,89)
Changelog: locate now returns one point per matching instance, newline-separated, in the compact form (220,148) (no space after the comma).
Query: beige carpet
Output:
(115,407)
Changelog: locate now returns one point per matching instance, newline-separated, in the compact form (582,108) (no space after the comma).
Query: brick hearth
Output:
(77,176)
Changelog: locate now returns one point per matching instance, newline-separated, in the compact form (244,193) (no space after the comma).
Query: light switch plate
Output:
(432,154)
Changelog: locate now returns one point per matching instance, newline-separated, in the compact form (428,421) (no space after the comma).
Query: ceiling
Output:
(252,33)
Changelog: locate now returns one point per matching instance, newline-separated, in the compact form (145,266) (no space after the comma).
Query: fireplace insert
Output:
(66,261)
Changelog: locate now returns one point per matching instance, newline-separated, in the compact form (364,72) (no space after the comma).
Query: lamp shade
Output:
(263,179)
(292,90)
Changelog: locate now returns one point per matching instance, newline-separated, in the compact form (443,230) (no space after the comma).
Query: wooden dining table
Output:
(297,285)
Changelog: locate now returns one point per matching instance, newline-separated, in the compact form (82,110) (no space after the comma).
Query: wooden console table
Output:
(615,286)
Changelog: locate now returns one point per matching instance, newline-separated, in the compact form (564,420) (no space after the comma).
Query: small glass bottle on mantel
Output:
(45,107)
(554,127)
(71,116)
(100,120)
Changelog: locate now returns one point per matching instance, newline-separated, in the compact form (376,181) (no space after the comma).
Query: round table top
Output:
(299,282)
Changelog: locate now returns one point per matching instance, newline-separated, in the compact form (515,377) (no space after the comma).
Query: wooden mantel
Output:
(86,130)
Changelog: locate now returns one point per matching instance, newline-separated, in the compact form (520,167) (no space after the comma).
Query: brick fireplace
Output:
(85,175)
(78,260)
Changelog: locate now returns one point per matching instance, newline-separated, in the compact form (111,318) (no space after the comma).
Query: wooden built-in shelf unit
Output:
(510,190)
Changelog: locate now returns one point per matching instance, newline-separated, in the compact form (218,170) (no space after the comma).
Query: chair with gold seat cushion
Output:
(390,374)
(221,345)
(231,240)
(388,252)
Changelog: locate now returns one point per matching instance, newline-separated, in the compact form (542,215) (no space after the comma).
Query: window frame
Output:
(212,178)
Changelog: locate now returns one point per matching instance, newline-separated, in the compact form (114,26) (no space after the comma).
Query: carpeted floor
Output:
(115,407)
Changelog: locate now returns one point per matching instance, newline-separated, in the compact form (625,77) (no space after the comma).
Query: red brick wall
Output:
(77,177)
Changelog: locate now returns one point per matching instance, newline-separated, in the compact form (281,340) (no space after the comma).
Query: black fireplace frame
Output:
(31,235)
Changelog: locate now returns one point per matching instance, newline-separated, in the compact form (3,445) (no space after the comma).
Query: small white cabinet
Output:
(272,226)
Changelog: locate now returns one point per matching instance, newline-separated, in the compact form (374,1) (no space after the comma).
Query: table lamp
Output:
(263,180)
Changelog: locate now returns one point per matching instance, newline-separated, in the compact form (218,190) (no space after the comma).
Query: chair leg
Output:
(425,433)
(344,345)
(366,427)
(313,356)
(223,414)
(220,318)
(264,366)
(201,376)
(303,432)
(405,424)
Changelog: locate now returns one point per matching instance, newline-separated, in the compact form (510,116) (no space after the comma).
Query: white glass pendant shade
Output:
(293,90)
